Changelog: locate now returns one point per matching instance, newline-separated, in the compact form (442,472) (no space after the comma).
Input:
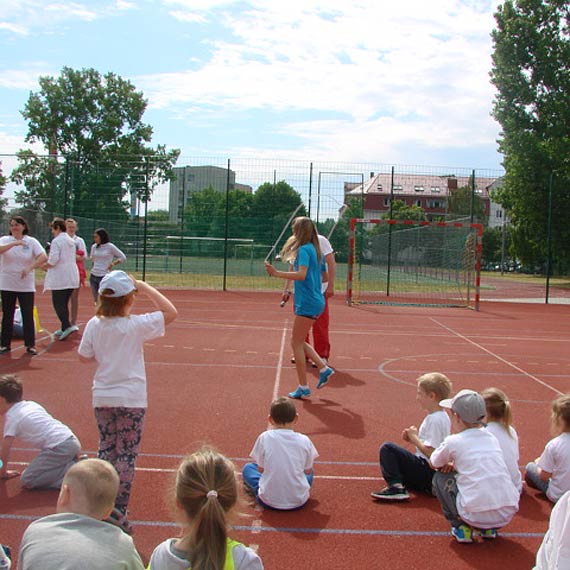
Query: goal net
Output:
(406,262)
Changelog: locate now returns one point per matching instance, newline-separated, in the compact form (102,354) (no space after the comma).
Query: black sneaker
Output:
(391,493)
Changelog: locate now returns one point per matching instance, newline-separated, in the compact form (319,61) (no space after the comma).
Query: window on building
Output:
(386,201)
(418,188)
(379,187)
(435,189)
(419,203)
(499,213)
(398,187)
(190,178)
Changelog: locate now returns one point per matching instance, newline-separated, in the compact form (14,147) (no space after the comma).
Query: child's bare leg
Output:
(314,356)
(301,326)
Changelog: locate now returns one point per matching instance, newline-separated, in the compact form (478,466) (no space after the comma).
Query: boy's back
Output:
(30,422)
(284,455)
(485,486)
(67,541)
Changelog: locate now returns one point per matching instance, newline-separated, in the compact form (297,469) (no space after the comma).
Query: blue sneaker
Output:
(57,332)
(67,332)
(324,377)
(299,393)
(462,533)
(488,533)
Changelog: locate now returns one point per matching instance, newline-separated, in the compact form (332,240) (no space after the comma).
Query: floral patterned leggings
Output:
(120,432)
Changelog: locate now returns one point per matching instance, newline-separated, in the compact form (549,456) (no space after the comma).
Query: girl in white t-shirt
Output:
(550,473)
(114,339)
(205,495)
(499,423)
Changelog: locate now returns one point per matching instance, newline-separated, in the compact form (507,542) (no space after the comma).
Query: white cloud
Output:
(191,17)
(14,28)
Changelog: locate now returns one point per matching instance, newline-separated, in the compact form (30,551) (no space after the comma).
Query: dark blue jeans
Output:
(399,465)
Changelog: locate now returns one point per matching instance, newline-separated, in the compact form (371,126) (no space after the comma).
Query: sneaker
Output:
(324,377)
(462,533)
(4,349)
(32,350)
(488,533)
(75,328)
(57,332)
(391,493)
(67,332)
(299,393)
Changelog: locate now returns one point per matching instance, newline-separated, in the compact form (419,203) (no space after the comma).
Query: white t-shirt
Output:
(166,557)
(556,460)
(433,430)
(31,423)
(64,273)
(487,497)
(285,455)
(554,552)
(116,343)
(103,256)
(510,446)
(14,260)
(326,248)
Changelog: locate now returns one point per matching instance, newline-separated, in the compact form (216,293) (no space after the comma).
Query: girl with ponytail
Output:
(205,494)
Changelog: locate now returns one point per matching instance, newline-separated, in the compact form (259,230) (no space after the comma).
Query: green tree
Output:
(459,204)
(95,123)
(3,201)
(531,60)
(401,211)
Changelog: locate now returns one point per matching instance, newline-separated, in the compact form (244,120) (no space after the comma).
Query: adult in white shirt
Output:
(80,253)
(62,275)
(20,254)
(105,256)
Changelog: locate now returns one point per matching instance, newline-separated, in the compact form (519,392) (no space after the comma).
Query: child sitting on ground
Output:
(403,470)
(77,537)
(554,552)
(206,492)
(31,423)
(479,493)
(282,473)
(499,423)
(550,473)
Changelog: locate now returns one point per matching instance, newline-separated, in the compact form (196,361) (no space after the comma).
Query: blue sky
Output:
(339,80)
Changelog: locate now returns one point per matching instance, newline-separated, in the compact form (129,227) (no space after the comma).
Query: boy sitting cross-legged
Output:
(479,494)
(404,470)
(282,474)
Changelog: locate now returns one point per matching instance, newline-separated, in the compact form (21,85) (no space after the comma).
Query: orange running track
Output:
(212,377)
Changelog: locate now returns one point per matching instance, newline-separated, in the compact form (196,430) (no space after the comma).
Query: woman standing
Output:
(62,275)
(303,251)
(20,254)
(104,256)
(80,252)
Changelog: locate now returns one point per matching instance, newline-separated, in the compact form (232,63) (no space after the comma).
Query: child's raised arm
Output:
(158,300)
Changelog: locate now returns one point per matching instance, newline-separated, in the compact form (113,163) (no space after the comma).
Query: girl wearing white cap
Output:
(114,339)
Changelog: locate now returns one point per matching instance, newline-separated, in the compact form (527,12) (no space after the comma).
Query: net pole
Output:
(350,268)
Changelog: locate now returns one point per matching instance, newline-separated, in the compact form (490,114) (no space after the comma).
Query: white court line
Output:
(524,372)
(277,383)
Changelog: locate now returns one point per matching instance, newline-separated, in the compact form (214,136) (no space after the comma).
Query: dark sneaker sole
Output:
(390,497)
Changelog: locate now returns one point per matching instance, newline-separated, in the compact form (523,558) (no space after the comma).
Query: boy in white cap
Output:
(479,493)
(114,338)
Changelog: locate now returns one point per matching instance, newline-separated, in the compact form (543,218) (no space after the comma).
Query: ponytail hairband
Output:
(212,494)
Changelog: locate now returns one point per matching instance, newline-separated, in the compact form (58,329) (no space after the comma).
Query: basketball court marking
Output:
(527,374)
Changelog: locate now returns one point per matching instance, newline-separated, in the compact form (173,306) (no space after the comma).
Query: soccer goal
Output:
(404,262)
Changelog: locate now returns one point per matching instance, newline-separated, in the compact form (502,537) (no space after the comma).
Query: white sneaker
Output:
(67,332)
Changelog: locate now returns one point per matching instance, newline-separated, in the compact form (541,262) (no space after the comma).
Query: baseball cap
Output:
(468,405)
(118,282)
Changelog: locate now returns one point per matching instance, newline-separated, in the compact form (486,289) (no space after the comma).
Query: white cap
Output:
(117,284)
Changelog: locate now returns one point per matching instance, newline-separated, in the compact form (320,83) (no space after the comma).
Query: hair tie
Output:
(212,494)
